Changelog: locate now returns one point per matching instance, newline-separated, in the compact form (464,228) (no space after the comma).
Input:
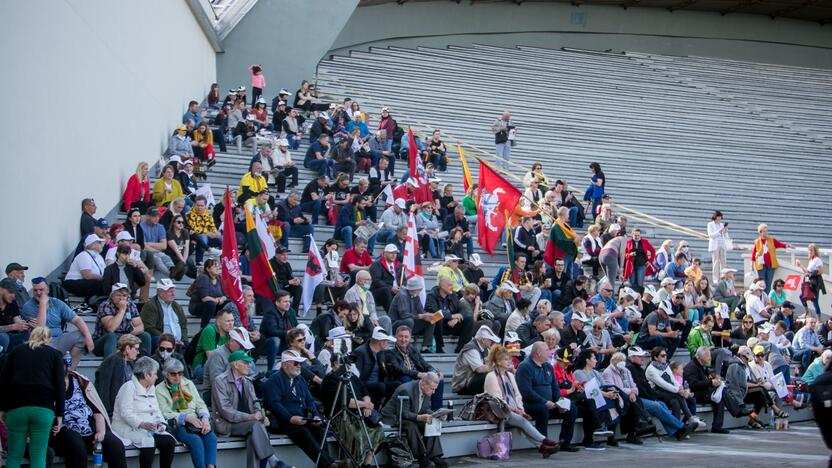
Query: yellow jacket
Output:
(161,197)
(455,275)
(254,184)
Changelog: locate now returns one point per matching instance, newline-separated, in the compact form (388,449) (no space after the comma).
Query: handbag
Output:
(484,407)
(495,446)
(373,420)
(807,292)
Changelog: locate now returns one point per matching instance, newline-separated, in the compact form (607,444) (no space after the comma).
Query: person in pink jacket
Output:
(258,82)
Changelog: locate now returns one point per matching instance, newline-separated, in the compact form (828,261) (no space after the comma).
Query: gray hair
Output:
(545,302)
(431,377)
(363,274)
(555,314)
(700,351)
(619,356)
(172,365)
(144,366)
(247,288)
(552,332)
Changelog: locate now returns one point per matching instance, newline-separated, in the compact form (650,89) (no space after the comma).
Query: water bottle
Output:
(97,456)
(451,407)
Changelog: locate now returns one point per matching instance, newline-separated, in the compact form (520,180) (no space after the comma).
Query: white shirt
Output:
(171,320)
(815,265)
(86,260)
(716,238)
(754,306)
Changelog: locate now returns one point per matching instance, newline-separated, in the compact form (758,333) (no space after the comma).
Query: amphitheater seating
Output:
(665,129)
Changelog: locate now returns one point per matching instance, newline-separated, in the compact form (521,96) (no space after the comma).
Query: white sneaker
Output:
(214,251)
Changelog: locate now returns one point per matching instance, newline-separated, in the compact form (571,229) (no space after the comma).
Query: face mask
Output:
(166,354)
(685,249)
(365,287)
(18,283)
(621,365)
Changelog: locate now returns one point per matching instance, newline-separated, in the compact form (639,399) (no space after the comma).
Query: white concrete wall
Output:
(288,37)
(554,25)
(91,88)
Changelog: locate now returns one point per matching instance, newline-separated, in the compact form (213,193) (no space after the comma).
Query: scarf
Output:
(179,397)
(387,268)
(567,231)
(658,365)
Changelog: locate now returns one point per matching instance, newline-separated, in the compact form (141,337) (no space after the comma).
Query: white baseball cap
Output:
(485,333)
(240,335)
(380,335)
(452,258)
(511,337)
(475,259)
(510,286)
(390,248)
(118,287)
(91,239)
(336,333)
(290,355)
(400,203)
(165,284)
(124,235)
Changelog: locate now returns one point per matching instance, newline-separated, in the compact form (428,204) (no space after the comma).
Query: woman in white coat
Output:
(137,418)
(717,245)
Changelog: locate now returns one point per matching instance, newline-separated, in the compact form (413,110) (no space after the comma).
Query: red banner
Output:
(496,201)
(231,283)
(418,174)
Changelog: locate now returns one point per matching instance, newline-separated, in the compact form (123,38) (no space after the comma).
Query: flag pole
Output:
(522,194)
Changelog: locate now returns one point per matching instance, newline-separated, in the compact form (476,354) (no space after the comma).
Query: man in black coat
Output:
(404,363)
(369,360)
(387,274)
(283,273)
(702,383)
(278,318)
(442,299)
(457,219)
(134,270)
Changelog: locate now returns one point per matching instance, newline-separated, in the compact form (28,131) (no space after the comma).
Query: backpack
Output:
(190,350)
(57,291)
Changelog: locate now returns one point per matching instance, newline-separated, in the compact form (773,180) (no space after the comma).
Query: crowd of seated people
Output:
(589,332)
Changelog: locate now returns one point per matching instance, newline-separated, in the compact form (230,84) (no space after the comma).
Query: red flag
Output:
(418,174)
(231,283)
(400,192)
(332,214)
(496,197)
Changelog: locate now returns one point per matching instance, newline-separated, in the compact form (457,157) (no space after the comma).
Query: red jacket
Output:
(133,192)
(649,253)
(563,375)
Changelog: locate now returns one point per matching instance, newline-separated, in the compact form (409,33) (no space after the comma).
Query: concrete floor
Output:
(800,446)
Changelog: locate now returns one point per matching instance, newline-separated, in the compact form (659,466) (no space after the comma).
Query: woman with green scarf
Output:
(188,417)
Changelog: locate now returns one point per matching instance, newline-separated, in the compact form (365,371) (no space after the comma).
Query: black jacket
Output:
(448,306)
(287,213)
(569,293)
(274,323)
(395,368)
(109,377)
(283,273)
(321,326)
(451,222)
(696,375)
(111,277)
(568,336)
(528,334)
(640,379)
(365,362)
(382,279)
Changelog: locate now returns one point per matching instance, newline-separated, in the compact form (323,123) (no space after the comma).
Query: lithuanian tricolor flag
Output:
(259,242)
(467,181)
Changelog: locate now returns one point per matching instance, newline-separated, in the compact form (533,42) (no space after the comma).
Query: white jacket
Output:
(662,379)
(716,239)
(135,405)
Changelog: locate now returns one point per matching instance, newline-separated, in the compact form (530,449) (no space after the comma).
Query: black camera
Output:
(347,359)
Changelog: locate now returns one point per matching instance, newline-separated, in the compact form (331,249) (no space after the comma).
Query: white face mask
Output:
(621,365)
(166,354)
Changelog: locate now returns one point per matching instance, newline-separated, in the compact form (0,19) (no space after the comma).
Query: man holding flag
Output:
(562,243)
(231,282)
(421,190)
(312,276)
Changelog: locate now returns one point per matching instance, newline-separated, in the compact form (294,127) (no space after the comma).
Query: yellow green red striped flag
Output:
(467,181)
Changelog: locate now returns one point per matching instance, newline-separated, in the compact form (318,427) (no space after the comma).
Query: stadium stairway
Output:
(664,144)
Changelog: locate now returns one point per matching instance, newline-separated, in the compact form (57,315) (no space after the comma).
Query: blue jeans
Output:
(203,242)
(203,446)
(805,356)
(767,274)
(297,230)
(637,280)
(314,208)
(386,235)
(436,251)
(294,142)
(573,216)
(469,245)
(786,371)
(659,410)
(105,345)
(569,263)
(9,340)
(272,347)
(323,166)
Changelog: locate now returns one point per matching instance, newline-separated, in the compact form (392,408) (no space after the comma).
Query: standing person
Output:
(597,184)
(639,256)
(258,82)
(31,396)
(814,270)
(612,257)
(504,131)
(717,245)
(563,242)
(764,254)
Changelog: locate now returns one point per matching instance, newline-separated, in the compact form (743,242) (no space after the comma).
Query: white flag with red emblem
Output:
(411,267)
(312,276)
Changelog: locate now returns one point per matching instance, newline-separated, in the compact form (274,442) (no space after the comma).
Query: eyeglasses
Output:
(663,355)
(607,290)
(760,355)
(161,349)
(747,321)
(294,363)
(179,222)
(175,373)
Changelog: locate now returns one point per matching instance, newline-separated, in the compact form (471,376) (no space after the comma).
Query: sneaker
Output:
(595,446)
(602,434)
(719,430)
(569,448)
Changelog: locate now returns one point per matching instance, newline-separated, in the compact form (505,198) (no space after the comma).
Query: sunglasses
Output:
(663,355)
(300,340)
(294,363)
(760,355)
(747,321)
(607,290)
(179,222)
(165,349)
(175,373)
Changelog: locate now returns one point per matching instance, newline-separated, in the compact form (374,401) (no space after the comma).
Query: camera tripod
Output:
(344,393)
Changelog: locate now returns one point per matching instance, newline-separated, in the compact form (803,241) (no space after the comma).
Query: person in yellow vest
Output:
(252,183)
(764,254)
(451,270)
